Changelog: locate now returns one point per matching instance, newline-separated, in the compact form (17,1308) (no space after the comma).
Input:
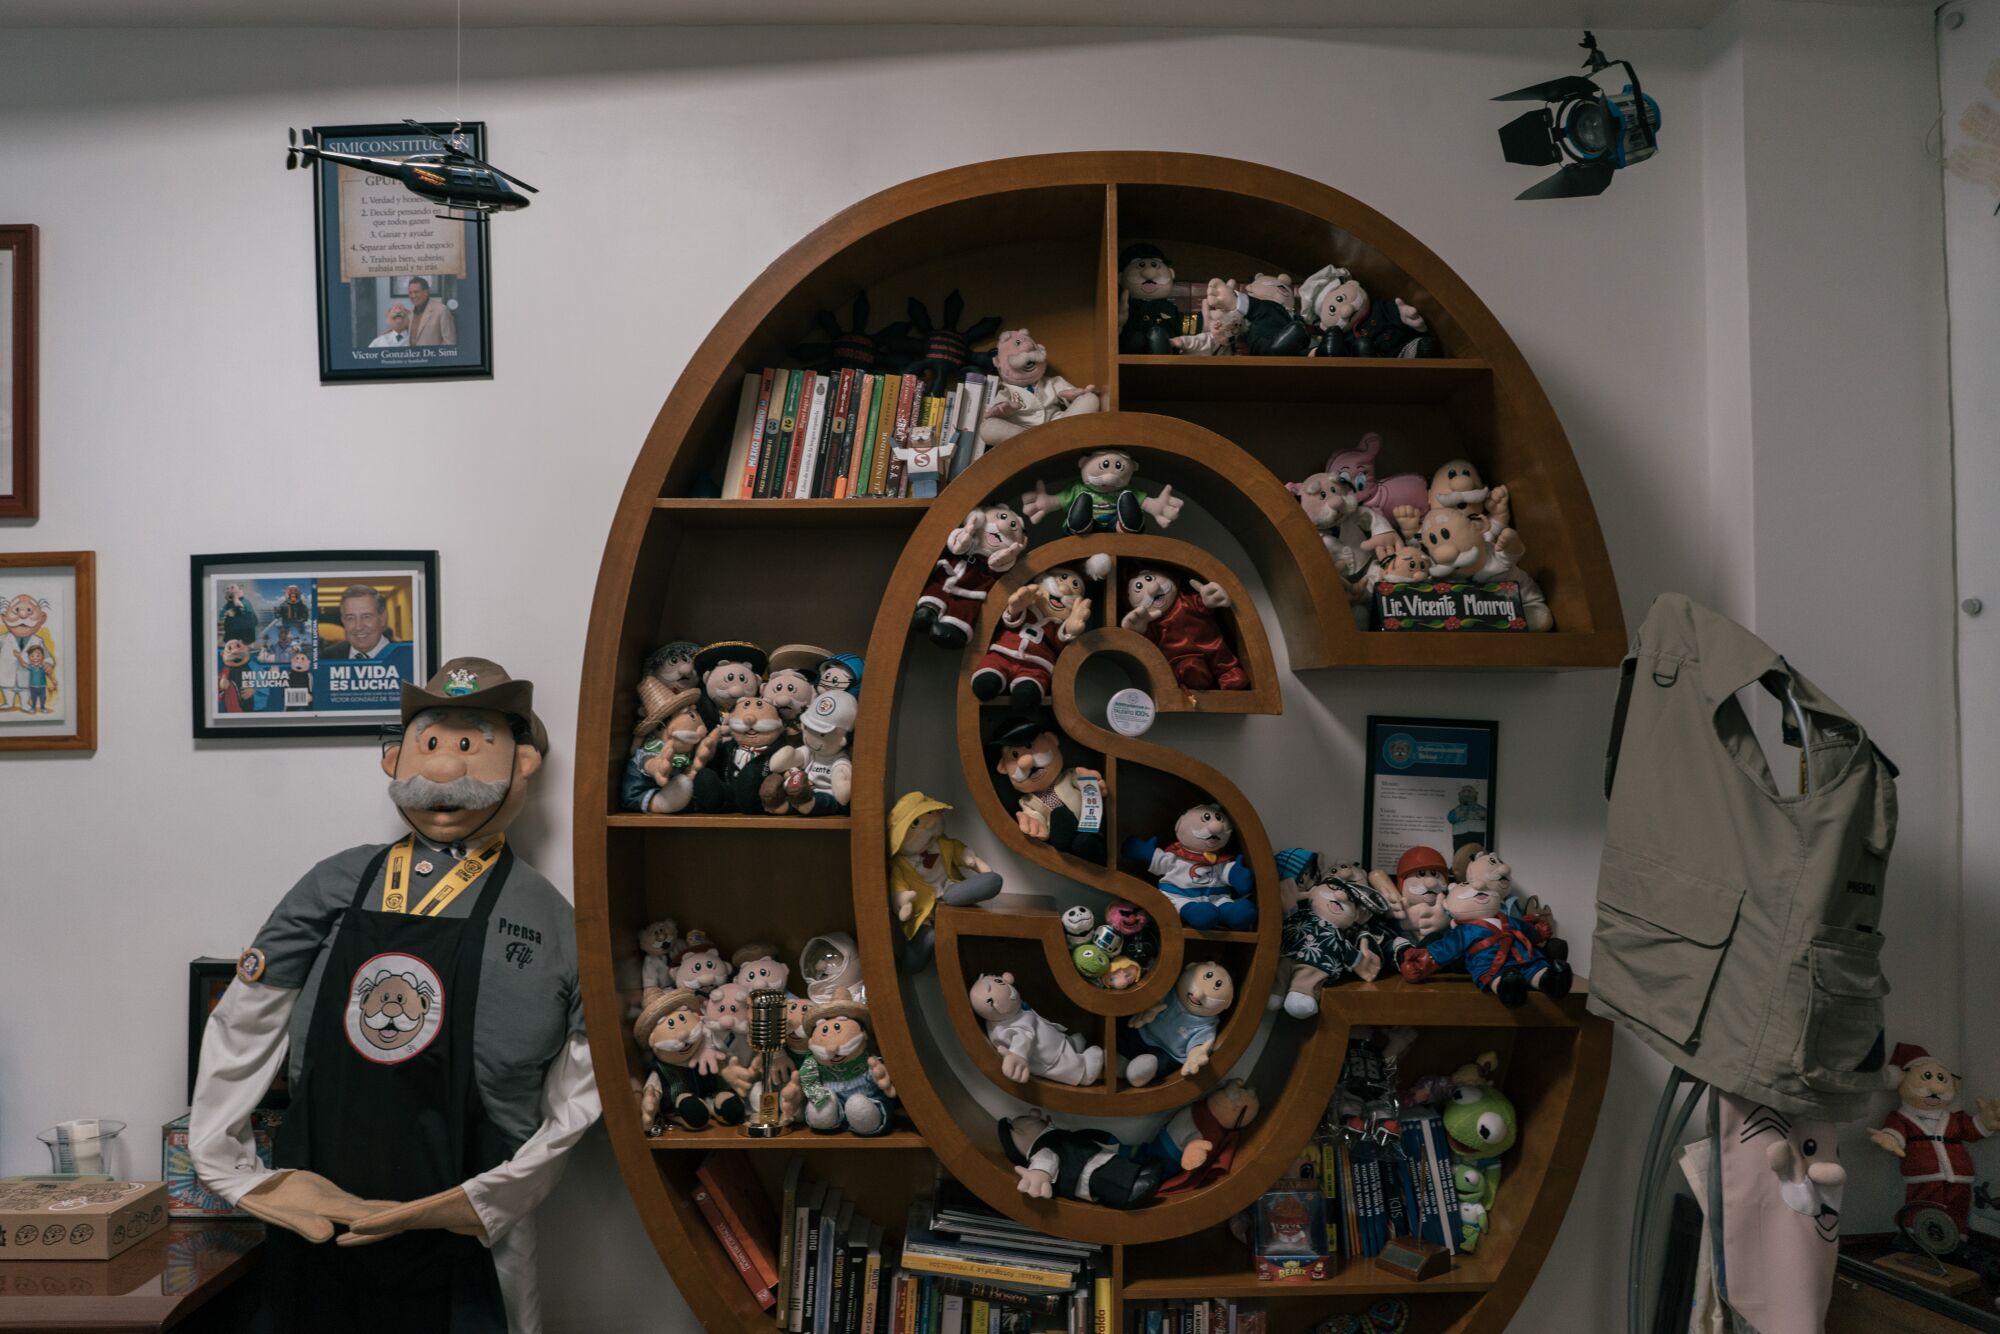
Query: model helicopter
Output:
(452,176)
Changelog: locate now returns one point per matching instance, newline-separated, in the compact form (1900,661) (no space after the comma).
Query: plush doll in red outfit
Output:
(1185,628)
(1041,620)
(1931,1138)
(976,554)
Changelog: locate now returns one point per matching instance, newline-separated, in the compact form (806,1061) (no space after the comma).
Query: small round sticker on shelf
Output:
(1130,712)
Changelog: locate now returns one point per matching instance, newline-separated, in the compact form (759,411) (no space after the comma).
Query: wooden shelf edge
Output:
(1450,1002)
(798,1139)
(715,512)
(1356,1278)
(830,824)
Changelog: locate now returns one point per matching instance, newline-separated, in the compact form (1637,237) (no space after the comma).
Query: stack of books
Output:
(1373,1194)
(1210,1315)
(820,1267)
(812,435)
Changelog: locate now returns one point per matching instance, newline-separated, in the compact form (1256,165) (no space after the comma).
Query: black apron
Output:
(391,1118)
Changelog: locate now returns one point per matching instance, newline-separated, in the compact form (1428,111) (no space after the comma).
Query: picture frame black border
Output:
(199,669)
(477,370)
(1385,720)
(203,974)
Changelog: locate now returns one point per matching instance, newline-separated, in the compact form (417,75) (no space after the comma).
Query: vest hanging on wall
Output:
(1737,929)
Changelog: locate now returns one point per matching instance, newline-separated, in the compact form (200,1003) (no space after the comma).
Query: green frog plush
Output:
(1479,1125)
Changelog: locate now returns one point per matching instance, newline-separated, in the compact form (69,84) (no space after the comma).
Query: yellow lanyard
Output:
(396,878)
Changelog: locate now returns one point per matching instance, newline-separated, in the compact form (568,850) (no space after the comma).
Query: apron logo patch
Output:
(520,955)
(395,1008)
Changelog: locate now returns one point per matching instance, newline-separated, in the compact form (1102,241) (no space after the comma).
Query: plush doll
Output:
(1148,318)
(976,554)
(1180,1030)
(684,1081)
(1079,924)
(1122,974)
(1185,628)
(841,671)
(1384,495)
(758,968)
(1090,959)
(1269,306)
(672,666)
(701,971)
(1505,955)
(740,752)
(1403,565)
(1088,1165)
(823,783)
(789,686)
(1031,1044)
(659,776)
(1210,888)
(831,964)
(1222,332)
(1461,550)
(1135,928)
(727,1014)
(1329,932)
(1479,1126)
(1050,797)
(1352,325)
(729,670)
(843,1083)
(1028,394)
(1198,1143)
(946,350)
(1103,499)
(656,964)
(924,459)
(1457,485)
(926,869)
(1930,1138)
(1043,617)
(1416,891)
(1354,535)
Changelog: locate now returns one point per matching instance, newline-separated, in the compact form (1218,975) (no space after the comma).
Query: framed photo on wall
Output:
(403,290)
(309,643)
(48,650)
(1430,784)
(19,454)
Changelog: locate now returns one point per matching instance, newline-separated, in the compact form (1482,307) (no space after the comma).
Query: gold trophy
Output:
(767,1037)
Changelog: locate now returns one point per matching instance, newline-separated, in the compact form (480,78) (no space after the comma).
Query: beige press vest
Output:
(1736,928)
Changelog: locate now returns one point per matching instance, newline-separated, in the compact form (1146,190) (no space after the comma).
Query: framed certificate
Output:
(1430,784)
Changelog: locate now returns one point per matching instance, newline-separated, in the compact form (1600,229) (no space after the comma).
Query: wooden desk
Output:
(157,1285)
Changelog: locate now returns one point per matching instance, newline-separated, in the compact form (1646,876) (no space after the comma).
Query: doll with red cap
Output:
(1930,1137)
(1505,954)
(1416,891)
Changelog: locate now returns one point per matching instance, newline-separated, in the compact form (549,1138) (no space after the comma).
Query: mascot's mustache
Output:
(842,1052)
(761,725)
(401,1022)
(464,793)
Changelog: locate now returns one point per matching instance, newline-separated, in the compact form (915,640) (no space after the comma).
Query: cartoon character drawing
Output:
(23,626)
(394,1007)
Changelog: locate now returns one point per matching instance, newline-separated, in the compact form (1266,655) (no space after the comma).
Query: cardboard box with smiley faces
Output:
(77,1218)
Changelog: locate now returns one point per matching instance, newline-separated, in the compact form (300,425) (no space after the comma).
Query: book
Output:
(839,428)
(735,1190)
(788,1231)
(837,1285)
(927,1308)
(812,411)
(855,1243)
(1439,1193)
(877,471)
(806,1258)
(866,415)
(1100,1300)
(1039,1301)
(758,430)
(829,1227)
(951,1319)
(899,434)
(731,1244)
(965,425)
(871,1281)
(778,428)
(739,439)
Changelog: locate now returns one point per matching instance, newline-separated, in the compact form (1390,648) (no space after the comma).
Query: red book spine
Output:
(727,1236)
(726,1188)
(757,437)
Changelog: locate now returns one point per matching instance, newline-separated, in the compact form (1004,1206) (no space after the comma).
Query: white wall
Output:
(181,413)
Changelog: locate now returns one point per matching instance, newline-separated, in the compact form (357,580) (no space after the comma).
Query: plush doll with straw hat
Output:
(659,777)
(685,1082)
(926,869)
(789,686)
(1930,1137)
(843,1082)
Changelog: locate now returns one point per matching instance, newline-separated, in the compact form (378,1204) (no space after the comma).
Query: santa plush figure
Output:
(1931,1138)
(1042,619)
(976,553)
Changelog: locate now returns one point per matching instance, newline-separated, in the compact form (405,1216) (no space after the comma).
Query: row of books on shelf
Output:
(833,435)
(1376,1191)
(1209,1315)
(821,1267)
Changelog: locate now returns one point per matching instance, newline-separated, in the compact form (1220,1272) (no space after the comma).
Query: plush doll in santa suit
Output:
(1931,1138)
(976,553)
(1042,619)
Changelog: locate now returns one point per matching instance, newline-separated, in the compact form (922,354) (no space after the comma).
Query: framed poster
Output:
(208,978)
(18,374)
(402,289)
(1430,784)
(48,650)
(289,643)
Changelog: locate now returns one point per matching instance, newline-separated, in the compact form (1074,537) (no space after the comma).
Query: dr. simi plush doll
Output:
(1930,1138)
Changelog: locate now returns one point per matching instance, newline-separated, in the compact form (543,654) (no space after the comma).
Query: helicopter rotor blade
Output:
(291,136)
(291,159)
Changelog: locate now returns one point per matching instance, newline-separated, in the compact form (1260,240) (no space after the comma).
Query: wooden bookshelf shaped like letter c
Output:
(1038,238)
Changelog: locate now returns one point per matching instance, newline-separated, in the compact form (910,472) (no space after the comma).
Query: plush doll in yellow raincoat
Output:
(925,869)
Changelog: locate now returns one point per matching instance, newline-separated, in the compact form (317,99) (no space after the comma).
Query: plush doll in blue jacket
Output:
(1505,954)
(1207,884)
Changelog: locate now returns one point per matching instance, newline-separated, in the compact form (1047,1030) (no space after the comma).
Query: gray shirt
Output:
(529,1001)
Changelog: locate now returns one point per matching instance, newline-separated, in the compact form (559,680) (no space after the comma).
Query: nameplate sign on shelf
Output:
(1449,606)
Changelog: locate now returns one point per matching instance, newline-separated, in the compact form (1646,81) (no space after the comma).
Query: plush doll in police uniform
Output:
(427,992)
(1148,317)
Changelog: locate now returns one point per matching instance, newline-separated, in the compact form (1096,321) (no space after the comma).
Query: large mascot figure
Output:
(427,992)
